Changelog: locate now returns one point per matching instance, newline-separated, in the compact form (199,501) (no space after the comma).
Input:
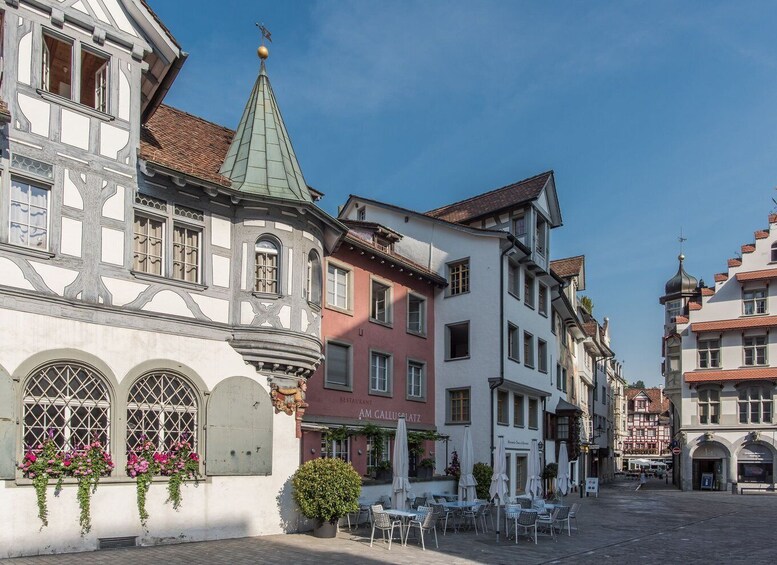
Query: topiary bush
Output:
(482,473)
(327,489)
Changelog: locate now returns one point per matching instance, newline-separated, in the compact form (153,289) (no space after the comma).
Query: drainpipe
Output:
(501,380)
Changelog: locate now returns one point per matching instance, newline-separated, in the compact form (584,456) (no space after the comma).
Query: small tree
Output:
(327,489)
(482,473)
(587,303)
(639,384)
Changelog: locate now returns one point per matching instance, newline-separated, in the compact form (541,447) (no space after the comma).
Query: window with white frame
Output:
(513,342)
(755,405)
(755,350)
(148,245)
(541,236)
(528,290)
(380,373)
(708,404)
(416,314)
(528,349)
(380,306)
(519,227)
(457,341)
(458,277)
(161,407)
(415,380)
(534,413)
(518,410)
(709,353)
(337,365)
(313,278)
(335,448)
(67,401)
(57,71)
(754,302)
(513,279)
(186,253)
(29,214)
(337,286)
(542,355)
(542,299)
(267,266)
(674,308)
(502,410)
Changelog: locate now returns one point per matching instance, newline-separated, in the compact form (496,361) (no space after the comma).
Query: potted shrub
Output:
(482,473)
(326,490)
(425,468)
(383,471)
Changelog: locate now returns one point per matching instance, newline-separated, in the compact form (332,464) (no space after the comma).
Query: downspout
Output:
(501,380)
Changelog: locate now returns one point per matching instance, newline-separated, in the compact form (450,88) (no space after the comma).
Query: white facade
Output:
(719,351)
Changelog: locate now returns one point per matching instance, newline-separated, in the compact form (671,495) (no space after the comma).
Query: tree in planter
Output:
(549,473)
(454,469)
(482,473)
(326,489)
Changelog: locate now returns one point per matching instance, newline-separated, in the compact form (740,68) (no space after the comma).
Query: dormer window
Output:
(57,71)
(519,227)
(754,302)
(541,237)
(382,243)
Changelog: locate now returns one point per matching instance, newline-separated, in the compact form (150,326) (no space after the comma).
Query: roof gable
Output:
(569,267)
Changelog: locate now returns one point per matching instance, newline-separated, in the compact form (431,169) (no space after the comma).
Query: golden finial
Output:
(263,52)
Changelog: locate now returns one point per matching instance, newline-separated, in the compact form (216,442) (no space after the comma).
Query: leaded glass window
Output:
(186,254)
(147,245)
(266,273)
(162,407)
(68,402)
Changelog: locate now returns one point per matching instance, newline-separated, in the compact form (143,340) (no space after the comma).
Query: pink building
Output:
(378,333)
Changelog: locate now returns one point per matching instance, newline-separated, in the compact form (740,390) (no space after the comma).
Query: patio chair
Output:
(426,521)
(443,514)
(418,501)
(363,510)
(573,513)
(562,518)
(549,521)
(375,508)
(382,521)
(527,519)
(524,502)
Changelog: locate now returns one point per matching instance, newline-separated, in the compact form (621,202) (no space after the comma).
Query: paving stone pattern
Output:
(653,525)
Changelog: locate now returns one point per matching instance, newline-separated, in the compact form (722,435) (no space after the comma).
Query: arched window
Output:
(161,407)
(755,405)
(268,268)
(774,251)
(68,402)
(313,278)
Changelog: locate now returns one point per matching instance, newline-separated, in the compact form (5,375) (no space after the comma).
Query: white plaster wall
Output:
(24,61)
(112,140)
(118,16)
(123,292)
(11,275)
(71,194)
(221,271)
(70,243)
(114,206)
(37,112)
(112,246)
(74,129)
(56,278)
(220,232)
(219,507)
(124,93)
(214,308)
(168,302)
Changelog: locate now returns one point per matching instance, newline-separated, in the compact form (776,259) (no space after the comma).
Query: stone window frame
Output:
(348,270)
(705,351)
(458,274)
(422,313)
(502,407)
(751,345)
(750,298)
(348,387)
(466,398)
(423,385)
(389,301)
(373,391)
(314,281)
(765,401)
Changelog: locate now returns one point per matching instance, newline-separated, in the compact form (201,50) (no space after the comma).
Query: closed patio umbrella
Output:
(467,482)
(498,487)
(562,479)
(401,484)
(534,473)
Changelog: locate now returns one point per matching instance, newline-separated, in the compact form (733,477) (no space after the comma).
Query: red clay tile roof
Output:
(736,324)
(766,274)
(658,402)
(185,143)
(707,291)
(721,277)
(748,248)
(493,201)
(681,319)
(591,328)
(773,218)
(761,234)
(749,374)
(694,306)
(734,263)
(568,267)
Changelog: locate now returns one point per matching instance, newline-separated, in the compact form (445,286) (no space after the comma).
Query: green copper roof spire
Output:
(261,160)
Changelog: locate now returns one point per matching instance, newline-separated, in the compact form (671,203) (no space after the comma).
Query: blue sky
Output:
(654,116)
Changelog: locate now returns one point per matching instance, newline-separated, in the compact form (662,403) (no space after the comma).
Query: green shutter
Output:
(7,428)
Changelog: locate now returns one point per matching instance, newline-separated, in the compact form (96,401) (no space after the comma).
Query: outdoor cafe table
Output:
(405,516)
(456,505)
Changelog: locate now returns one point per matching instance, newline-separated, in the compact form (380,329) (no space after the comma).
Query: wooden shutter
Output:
(7,428)
(239,429)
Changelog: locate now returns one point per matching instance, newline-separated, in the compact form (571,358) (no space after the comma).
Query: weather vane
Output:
(263,52)
(682,240)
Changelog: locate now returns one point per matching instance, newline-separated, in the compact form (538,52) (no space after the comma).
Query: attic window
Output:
(361,215)
(382,243)
(57,66)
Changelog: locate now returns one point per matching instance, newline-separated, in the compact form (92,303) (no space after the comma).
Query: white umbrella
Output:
(401,485)
(534,473)
(562,479)
(499,480)
(467,482)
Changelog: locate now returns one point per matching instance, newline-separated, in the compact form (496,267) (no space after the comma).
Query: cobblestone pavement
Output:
(623,525)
